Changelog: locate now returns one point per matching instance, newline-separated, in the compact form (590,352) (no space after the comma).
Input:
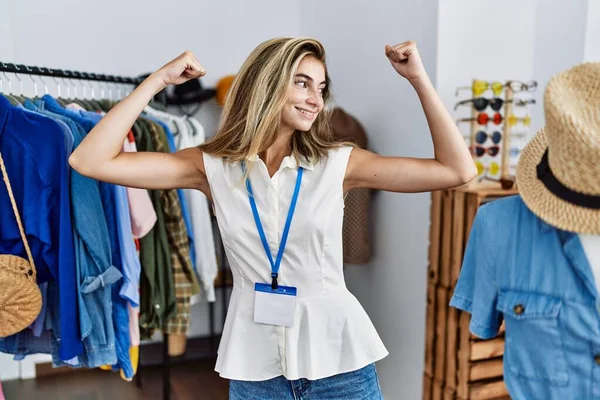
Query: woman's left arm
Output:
(452,166)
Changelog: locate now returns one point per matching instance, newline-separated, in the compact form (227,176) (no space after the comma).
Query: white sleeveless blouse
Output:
(332,333)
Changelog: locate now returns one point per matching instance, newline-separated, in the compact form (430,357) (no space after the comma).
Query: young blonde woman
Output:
(277,180)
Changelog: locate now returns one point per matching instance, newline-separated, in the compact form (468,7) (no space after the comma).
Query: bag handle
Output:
(32,272)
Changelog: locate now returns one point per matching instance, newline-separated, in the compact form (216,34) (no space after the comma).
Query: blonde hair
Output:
(252,110)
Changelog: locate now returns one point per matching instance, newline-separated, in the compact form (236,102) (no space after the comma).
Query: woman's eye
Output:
(301,83)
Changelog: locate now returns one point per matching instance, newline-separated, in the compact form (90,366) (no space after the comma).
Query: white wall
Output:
(392,287)
(592,35)
(137,36)
(559,43)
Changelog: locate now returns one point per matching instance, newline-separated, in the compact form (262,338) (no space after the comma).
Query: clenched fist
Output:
(406,60)
(180,70)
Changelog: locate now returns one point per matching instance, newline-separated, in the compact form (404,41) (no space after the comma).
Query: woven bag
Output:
(20,296)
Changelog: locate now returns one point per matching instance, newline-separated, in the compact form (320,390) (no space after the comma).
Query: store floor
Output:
(195,380)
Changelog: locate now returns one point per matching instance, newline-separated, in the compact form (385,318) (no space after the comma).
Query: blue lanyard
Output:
(274,264)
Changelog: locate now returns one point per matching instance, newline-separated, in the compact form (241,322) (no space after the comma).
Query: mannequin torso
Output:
(591,247)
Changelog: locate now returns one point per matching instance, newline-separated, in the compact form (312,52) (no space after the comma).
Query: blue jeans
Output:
(362,384)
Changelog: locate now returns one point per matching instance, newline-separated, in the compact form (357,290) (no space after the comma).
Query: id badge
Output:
(274,307)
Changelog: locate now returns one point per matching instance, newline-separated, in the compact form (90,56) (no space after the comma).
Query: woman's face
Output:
(305,96)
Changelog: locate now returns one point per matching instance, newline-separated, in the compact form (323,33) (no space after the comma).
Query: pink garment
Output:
(134,325)
(143,216)
(74,106)
(1,394)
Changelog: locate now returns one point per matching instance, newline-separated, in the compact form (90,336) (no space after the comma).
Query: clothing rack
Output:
(167,360)
(63,73)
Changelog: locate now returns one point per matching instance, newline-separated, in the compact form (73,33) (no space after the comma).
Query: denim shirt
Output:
(128,252)
(536,278)
(33,149)
(94,260)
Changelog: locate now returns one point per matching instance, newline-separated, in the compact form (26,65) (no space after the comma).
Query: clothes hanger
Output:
(35,87)
(82,101)
(75,98)
(88,91)
(105,102)
(40,71)
(92,100)
(190,125)
(9,96)
(19,98)
(58,97)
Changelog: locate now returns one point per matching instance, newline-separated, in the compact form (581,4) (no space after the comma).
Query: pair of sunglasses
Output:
(484,119)
(522,103)
(513,120)
(493,168)
(517,86)
(496,103)
(480,151)
(479,87)
(481,103)
(481,137)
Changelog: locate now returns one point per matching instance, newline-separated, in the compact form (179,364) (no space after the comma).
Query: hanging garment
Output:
(32,144)
(206,256)
(190,133)
(124,254)
(356,237)
(123,237)
(331,333)
(182,201)
(184,278)
(143,215)
(93,238)
(157,289)
(536,278)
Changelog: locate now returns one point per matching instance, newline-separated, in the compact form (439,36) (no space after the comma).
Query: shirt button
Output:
(157,306)
(519,309)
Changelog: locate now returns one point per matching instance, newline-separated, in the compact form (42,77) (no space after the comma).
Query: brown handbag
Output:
(20,296)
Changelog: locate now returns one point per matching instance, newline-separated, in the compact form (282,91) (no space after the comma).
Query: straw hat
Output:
(558,174)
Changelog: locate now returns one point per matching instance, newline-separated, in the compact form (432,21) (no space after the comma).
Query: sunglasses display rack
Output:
(491,127)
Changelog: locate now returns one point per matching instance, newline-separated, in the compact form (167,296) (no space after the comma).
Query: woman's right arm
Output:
(99,155)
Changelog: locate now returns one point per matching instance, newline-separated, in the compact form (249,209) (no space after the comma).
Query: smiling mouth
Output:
(307,113)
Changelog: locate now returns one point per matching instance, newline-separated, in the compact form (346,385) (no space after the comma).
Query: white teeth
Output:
(310,114)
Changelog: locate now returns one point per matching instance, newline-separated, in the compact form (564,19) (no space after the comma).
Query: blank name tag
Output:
(274,307)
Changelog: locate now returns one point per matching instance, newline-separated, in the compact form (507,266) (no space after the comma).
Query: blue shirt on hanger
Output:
(111,202)
(94,256)
(33,149)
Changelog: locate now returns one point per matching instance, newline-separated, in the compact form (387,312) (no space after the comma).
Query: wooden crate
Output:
(457,364)
(427,386)
(446,237)
(434,237)
(430,331)
(470,359)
